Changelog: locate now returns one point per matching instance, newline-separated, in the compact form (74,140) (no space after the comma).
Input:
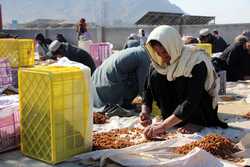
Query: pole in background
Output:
(1,21)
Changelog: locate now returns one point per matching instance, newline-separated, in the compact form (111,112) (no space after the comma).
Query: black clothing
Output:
(61,38)
(80,56)
(236,57)
(184,97)
(219,44)
(219,64)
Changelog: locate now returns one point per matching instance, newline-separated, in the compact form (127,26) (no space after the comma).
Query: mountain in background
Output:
(101,12)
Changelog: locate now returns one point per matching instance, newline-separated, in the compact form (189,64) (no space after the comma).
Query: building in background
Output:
(14,24)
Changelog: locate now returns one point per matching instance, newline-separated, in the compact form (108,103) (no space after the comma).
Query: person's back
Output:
(234,56)
(61,38)
(125,62)
(121,77)
(41,46)
(132,41)
(79,55)
(247,58)
(220,44)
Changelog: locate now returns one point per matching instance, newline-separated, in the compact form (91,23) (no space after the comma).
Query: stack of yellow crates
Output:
(19,52)
(56,120)
(206,46)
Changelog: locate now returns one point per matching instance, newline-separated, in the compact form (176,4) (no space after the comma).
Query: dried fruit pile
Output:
(99,118)
(137,100)
(247,115)
(118,138)
(121,138)
(215,144)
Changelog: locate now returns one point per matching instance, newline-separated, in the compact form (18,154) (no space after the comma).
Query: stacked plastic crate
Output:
(19,53)
(100,51)
(14,53)
(5,73)
(55,106)
(206,47)
(9,128)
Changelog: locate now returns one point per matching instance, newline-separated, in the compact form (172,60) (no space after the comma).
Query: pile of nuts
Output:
(99,118)
(227,98)
(137,100)
(247,115)
(118,138)
(215,144)
(121,138)
(9,92)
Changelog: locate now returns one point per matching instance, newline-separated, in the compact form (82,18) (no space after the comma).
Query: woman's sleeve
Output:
(142,72)
(194,93)
(147,92)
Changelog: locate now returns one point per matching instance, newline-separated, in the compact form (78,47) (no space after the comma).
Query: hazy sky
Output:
(226,11)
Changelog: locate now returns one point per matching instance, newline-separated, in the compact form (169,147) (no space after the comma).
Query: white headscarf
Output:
(183,59)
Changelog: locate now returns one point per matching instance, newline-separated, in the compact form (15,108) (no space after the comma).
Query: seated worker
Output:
(218,44)
(132,41)
(61,38)
(41,46)
(236,58)
(182,81)
(120,78)
(58,49)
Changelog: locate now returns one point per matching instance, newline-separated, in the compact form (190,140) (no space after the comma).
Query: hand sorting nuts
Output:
(215,144)
(99,118)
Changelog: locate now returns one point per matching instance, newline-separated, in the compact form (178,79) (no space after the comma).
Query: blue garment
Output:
(132,43)
(121,77)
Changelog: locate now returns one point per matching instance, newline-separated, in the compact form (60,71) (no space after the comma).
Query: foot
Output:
(190,128)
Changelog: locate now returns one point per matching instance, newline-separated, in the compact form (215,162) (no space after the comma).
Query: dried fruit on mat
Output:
(227,98)
(215,144)
(247,115)
(137,100)
(99,118)
(118,138)
(121,138)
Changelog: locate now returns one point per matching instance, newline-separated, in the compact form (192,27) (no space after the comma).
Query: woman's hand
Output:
(154,130)
(144,116)
(160,128)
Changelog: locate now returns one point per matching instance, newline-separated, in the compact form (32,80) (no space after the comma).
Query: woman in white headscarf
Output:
(182,81)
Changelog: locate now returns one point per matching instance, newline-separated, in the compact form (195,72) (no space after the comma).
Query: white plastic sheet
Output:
(116,122)
(8,101)
(155,154)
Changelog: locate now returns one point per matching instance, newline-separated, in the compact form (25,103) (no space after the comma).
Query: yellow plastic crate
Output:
(206,46)
(56,120)
(19,52)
